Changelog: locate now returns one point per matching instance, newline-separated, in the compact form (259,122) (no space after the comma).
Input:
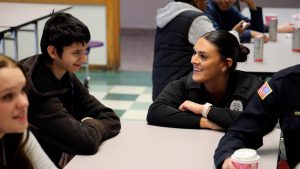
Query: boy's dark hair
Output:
(61,30)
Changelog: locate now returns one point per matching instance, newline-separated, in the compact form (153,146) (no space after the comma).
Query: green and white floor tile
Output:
(127,93)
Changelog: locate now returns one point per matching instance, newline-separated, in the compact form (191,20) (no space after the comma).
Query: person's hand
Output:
(255,34)
(286,27)
(241,27)
(227,164)
(205,123)
(191,106)
(250,3)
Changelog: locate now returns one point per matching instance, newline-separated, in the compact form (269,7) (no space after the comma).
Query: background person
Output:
(225,16)
(211,96)
(19,148)
(63,115)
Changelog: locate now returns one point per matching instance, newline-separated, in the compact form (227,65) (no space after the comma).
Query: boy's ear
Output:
(229,62)
(52,52)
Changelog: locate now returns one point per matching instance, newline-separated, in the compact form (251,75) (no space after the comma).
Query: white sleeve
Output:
(202,25)
(37,155)
(199,27)
(236,34)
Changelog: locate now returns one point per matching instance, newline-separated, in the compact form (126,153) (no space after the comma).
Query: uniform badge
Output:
(264,91)
(236,105)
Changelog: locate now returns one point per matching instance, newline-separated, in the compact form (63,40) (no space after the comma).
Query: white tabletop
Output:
(277,55)
(142,146)
(283,14)
(20,14)
(3,29)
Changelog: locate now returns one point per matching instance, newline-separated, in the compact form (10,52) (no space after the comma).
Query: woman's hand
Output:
(205,123)
(191,106)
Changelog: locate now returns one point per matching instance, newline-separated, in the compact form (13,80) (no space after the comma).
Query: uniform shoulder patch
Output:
(264,91)
(236,105)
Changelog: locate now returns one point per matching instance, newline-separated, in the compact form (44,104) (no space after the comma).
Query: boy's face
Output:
(72,58)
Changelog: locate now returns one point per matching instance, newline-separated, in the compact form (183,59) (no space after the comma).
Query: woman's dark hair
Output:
(61,30)
(12,155)
(228,46)
(6,61)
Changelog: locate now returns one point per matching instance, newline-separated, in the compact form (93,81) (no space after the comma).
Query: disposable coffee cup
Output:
(269,17)
(245,158)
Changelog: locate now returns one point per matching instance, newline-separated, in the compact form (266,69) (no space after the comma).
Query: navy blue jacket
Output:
(226,20)
(172,51)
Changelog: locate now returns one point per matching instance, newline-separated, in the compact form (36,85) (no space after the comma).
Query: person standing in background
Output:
(179,25)
(65,118)
(19,149)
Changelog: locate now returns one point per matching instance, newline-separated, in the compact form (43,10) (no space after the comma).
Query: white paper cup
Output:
(245,158)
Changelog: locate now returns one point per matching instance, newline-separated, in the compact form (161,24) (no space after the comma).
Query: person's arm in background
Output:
(257,27)
(287,27)
(256,21)
(203,24)
(199,27)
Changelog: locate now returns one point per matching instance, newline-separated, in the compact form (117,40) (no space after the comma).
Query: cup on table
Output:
(245,158)
(269,17)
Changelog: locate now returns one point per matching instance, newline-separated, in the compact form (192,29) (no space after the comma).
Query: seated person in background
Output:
(273,101)
(19,148)
(64,117)
(179,25)
(214,94)
(225,16)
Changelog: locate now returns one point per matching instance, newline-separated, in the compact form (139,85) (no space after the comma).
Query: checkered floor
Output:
(127,93)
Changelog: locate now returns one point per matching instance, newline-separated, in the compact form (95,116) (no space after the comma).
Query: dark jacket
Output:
(226,20)
(172,51)
(56,109)
(280,101)
(164,111)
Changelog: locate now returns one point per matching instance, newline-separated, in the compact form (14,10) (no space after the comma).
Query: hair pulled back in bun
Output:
(228,46)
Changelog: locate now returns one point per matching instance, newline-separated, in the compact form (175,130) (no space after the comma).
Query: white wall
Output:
(93,16)
(140,13)
(134,14)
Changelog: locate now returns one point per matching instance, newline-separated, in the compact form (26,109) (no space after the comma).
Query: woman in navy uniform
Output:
(276,100)
(212,95)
